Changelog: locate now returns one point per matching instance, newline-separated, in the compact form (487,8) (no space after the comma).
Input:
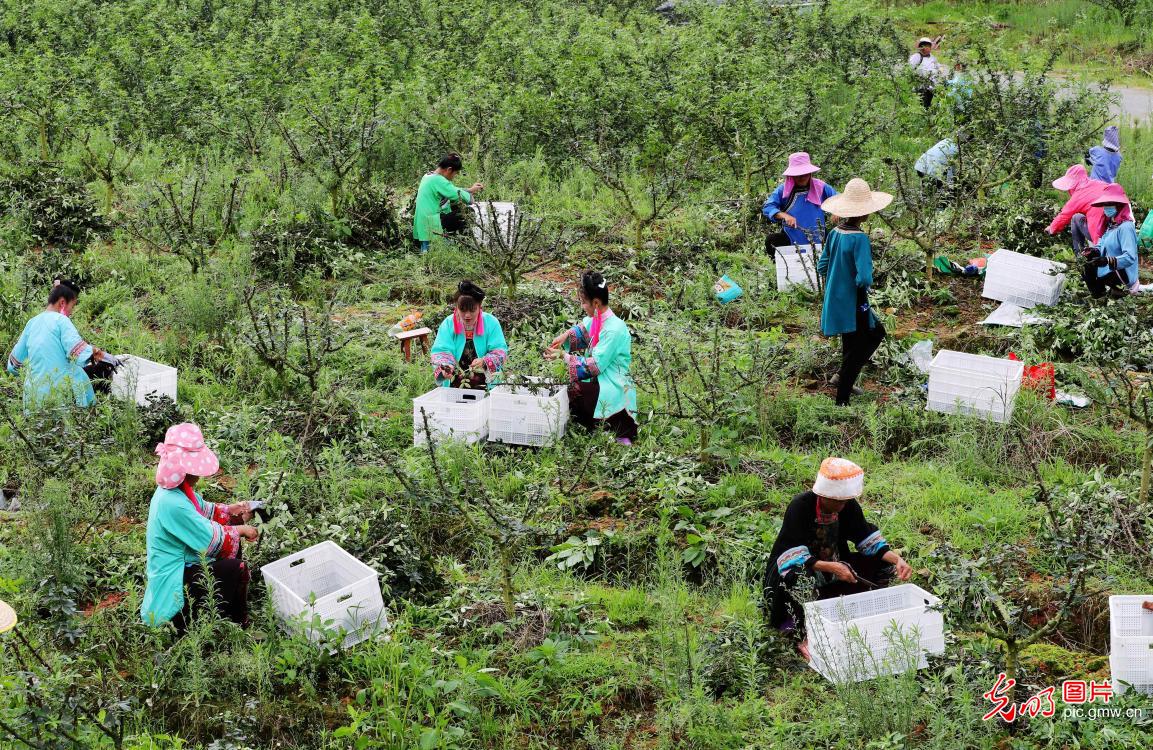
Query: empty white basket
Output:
(505,215)
(797,266)
(527,415)
(861,636)
(456,413)
(1131,643)
(324,590)
(137,377)
(974,384)
(1023,279)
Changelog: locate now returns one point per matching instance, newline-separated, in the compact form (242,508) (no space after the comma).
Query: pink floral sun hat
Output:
(184,452)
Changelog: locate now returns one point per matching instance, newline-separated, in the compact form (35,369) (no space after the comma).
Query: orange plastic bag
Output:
(1042,377)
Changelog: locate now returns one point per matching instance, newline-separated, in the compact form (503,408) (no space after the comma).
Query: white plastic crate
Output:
(324,590)
(1131,643)
(520,416)
(797,266)
(962,383)
(138,377)
(862,636)
(456,413)
(505,213)
(1023,279)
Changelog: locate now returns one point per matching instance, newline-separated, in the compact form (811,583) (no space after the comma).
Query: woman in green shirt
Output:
(598,354)
(434,197)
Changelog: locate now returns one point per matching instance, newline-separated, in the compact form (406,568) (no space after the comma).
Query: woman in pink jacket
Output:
(1086,221)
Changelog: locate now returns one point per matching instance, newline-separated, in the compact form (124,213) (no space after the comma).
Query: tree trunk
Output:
(506,589)
(1146,457)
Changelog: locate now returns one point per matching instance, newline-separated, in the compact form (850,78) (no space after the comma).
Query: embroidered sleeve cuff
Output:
(873,544)
(14,364)
(793,559)
(495,359)
(82,352)
(230,544)
(220,513)
(578,338)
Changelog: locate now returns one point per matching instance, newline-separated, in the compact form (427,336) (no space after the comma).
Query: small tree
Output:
(331,141)
(290,337)
(514,246)
(182,217)
(495,499)
(990,594)
(704,387)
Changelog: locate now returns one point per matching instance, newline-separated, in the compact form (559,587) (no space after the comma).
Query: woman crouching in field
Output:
(189,538)
(598,353)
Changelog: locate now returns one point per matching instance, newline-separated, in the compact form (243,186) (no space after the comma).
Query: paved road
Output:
(1135,104)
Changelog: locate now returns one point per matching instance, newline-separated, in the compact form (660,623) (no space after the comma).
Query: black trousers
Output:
(871,568)
(230,580)
(856,349)
(775,240)
(100,373)
(582,404)
(1098,285)
(926,97)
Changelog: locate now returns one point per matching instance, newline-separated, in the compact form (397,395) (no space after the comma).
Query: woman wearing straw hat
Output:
(813,544)
(847,266)
(187,536)
(796,205)
(1112,262)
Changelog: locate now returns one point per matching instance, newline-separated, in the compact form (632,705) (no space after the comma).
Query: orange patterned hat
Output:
(839,479)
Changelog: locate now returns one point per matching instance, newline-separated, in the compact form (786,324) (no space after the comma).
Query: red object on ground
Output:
(1040,377)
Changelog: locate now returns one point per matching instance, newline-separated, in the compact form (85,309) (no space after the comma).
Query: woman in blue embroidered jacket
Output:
(814,542)
(598,352)
(470,346)
(796,205)
(54,359)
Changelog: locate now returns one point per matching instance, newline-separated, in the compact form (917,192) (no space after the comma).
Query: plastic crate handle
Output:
(344,598)
(469,397)
(297,561)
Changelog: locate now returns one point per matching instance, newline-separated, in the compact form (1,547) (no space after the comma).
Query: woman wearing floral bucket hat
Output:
(796,205)
(185,531)
(813,544)
(846,264)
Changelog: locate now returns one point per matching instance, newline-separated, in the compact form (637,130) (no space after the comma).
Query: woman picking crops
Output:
(470,349)
(1112,262)
(813,547)
(847,266)
(189,538)
(55,360)
(601,390)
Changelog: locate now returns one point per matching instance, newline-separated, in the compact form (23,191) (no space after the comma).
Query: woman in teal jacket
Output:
(52,356)
(847,267)
(598,353)
(470,346)
(188,537)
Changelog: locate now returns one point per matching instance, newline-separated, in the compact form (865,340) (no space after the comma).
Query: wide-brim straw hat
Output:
(8,617)
(856,200)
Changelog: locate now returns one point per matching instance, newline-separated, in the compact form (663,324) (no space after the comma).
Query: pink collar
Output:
(595,330)
(816,190)
(458,324)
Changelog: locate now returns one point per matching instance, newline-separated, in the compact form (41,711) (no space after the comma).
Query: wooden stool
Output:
(405,338)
